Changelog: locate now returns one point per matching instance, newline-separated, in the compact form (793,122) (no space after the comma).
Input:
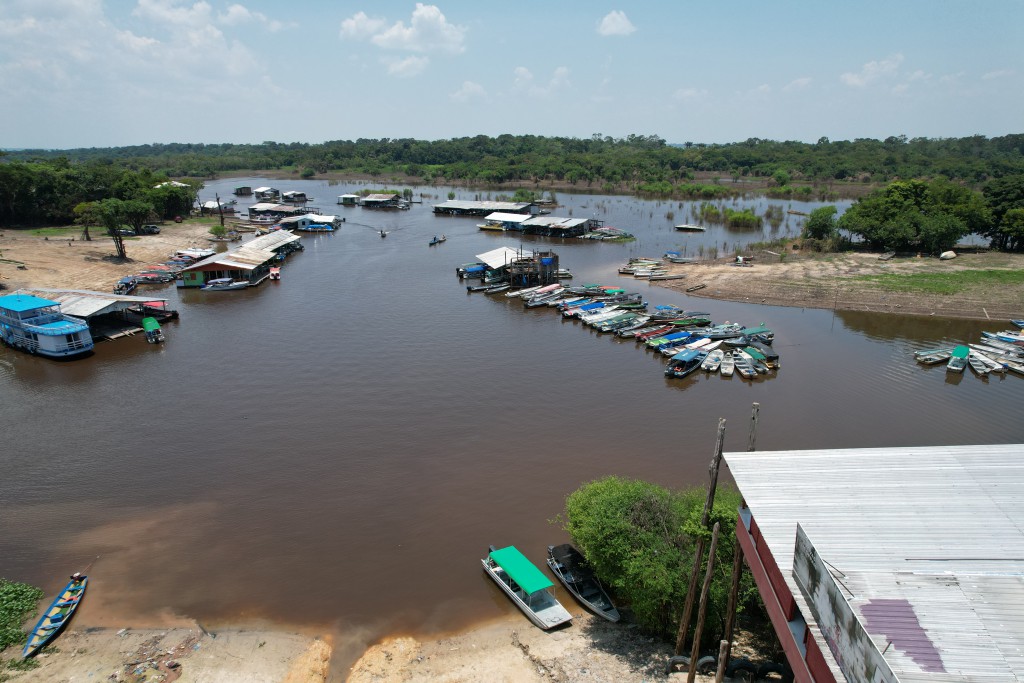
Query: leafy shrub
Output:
(640,539)
(17,602)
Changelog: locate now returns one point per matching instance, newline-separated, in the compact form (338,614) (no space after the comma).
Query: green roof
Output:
(150,324)
(961,352)
(520,569)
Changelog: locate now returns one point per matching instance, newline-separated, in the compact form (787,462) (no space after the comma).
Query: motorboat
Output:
(223,284)
(527,587)
(571,568)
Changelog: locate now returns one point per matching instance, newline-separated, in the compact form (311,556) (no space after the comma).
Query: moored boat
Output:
(223,284)
(687,227)
(571,568)
(56,616)
(713,361)
(958,359)
(154,335)
(526,586)
(684,363)
(977,366)
(728,364)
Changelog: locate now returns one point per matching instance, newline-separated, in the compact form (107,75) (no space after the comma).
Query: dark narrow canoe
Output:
(56,616)
(571,568)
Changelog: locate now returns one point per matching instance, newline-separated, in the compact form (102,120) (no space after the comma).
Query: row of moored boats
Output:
(997,352)
(689,339)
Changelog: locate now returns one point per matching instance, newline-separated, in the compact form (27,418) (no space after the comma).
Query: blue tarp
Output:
(24,302)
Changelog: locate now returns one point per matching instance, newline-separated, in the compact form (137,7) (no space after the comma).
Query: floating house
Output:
(308,222)
(294,196)
(243,191)
(267,194)
(212,206)
(481,209)
(348,199)
(553,226)
(384,201)
(279,210)
(108,315)
(38,326)
(250,262)
(520,268)
(504,221)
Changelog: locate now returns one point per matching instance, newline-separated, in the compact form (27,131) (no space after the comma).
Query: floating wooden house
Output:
(348,199)
(243,191)
(294,196)
(38,326)
(384,201)
(481,209)
(250,262)
(267,194)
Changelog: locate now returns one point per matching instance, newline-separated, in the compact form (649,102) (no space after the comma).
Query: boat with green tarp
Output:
(154,335)
(526,585)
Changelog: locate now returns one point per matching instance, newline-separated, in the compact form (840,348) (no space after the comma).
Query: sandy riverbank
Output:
(71,263)
(509,650)
(832,281)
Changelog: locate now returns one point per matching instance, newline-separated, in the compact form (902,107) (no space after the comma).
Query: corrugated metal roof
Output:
(84,303)
(508,217)
(502,256)
(493,206)
(272,240)
(243,258)
(381,197)
(931,533)
(555,221)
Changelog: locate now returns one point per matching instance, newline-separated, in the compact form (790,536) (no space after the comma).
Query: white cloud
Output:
(361,27)
(469,91)
(615,23)
(762,89)
(524,82)
(872,71)
(173,12)
(683,94)
(1001,73)
(239,14)
(408,67)
(428,31)
(797,84)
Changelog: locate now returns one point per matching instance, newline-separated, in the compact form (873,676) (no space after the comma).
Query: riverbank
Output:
(857,281)
(510,649)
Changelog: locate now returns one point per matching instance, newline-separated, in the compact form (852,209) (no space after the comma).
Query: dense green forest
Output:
(632,161)
(927,193)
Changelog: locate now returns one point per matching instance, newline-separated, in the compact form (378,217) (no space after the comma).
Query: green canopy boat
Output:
(526,585)
(154,335)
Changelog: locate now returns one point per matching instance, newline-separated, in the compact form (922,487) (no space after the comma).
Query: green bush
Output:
(640,539)
(17,602)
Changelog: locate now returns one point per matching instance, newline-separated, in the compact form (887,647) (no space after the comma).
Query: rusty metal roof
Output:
(928,542)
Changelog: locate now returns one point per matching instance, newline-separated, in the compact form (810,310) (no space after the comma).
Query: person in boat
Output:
(77,576)
(435,238)
(443,238)
(383,234)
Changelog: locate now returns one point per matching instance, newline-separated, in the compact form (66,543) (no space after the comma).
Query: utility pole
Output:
(698,556)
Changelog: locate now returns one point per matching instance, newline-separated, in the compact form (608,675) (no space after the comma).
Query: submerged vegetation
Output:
(17,602)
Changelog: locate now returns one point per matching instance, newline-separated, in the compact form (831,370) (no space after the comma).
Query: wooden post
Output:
(723,660)
(695,651)
(753,427)
(730,610)
(698,556)
(221,209)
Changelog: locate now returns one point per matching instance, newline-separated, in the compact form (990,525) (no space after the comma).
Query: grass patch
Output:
(68,231)
(945,283)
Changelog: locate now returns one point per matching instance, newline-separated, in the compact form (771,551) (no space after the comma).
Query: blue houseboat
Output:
(36,325)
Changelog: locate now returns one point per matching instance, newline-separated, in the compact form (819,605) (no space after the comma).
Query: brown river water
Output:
(337,450)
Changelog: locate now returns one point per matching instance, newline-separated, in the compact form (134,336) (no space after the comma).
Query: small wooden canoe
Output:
(56,616)
(570,567)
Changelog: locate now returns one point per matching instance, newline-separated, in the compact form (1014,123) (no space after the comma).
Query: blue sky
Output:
(85,73)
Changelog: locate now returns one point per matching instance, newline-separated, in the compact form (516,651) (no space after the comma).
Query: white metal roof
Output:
(555,221)
(508,217)
(243,258)
(262,189)
(83,303)
(385,197)
(272,240)
(493,206)
(502,256)
(940,529)
(263,206)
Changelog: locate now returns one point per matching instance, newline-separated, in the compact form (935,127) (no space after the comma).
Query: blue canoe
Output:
(56,616)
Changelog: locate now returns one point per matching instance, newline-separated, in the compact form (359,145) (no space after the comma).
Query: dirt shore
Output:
(509,650)
(835,281)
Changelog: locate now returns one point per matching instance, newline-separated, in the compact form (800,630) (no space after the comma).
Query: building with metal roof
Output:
(554,226)
(460,208)
(250,262)
(86,304)
(889,564)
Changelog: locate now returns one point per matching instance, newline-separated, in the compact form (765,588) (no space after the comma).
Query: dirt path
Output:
(829,281)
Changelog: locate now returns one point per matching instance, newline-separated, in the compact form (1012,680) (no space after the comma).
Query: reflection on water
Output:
(365,416)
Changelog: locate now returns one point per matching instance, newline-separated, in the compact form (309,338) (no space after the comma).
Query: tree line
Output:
(632,161)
